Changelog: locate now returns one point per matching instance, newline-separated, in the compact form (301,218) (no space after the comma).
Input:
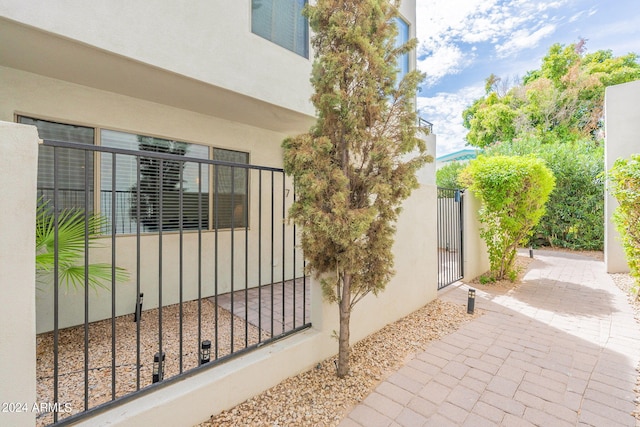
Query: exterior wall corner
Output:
(19,144)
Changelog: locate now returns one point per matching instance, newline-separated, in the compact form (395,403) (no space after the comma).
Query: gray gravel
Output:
(318,398)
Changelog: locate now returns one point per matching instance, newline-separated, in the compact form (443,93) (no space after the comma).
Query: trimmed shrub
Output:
(513,191)
(625,187)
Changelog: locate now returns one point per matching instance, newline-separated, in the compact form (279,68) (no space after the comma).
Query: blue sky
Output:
(461,42)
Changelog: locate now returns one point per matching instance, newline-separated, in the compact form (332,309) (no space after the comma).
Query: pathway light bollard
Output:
(530,251)
(158,367)
(471,301)
(205,352)
(137,315)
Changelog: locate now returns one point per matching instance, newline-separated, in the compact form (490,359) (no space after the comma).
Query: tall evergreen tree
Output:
(358,162)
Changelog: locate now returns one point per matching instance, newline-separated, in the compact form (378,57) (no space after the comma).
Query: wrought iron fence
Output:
(211,276)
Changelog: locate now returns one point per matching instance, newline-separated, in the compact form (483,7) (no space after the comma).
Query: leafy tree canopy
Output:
(561,101)
(447,176)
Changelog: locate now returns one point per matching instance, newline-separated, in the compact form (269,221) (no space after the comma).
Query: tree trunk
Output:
(345,316)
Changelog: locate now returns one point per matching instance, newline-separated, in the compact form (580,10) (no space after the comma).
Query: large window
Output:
(164,186)
(402,38)
(281,21)
(159,194)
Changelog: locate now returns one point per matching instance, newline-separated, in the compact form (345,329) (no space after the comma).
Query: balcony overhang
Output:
(33,50)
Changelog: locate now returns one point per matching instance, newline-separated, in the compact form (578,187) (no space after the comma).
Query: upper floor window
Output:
(402,38)
(281,22)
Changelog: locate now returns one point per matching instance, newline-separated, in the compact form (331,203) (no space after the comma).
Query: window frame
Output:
(399,19)
(97,173)
(306,45)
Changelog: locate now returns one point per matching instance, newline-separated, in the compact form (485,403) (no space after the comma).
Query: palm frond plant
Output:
(72,227)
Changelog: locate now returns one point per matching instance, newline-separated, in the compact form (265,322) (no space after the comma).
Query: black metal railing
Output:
(425,124)
(194,297)
(450,236)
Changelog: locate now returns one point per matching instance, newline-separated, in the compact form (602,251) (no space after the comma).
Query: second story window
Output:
(281,22)
(402,38)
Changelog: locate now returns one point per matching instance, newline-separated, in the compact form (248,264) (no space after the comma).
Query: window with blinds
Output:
(74,174)
(281,22)
(159,194)
(167,194)
(231,188)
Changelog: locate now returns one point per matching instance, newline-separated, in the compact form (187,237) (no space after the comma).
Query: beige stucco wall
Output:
(47,98)
(622,130)
(19,145)
(476,258)
(209,41)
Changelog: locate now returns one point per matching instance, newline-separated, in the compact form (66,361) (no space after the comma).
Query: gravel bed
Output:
(71,353)
(319,398)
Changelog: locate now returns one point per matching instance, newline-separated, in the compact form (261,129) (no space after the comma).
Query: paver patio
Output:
(560,350)
(284,299)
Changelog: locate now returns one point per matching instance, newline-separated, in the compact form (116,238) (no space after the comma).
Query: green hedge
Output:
(574,217)
(625,187)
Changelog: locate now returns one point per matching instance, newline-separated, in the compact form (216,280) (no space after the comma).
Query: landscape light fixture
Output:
(205,352)
(471,301)
(137,315)
(158,367)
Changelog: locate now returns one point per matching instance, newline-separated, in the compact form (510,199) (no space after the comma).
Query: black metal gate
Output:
(450,236)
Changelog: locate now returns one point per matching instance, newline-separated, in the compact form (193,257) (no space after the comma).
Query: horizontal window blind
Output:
(72,165)
(154,201)
(281,22)
(230,201)
(165,194)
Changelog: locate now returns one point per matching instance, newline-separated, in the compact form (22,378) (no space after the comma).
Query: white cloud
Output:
(444,25)
(445,60)
(524,39)
(577,16)
(444,110)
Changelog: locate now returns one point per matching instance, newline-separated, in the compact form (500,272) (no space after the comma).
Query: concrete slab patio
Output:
(560,350)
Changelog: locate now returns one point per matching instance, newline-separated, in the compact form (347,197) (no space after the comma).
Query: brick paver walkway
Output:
(561,350)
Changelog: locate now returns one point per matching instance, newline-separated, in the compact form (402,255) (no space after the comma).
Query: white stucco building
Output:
(228,80)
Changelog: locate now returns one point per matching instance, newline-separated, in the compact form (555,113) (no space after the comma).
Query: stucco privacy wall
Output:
(622,138)
(19,145)
(476,257)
